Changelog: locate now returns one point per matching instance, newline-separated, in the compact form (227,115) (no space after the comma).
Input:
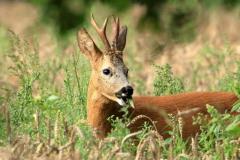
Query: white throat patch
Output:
(121,102)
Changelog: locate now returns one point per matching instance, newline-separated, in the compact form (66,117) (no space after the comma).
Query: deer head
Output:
(109,74)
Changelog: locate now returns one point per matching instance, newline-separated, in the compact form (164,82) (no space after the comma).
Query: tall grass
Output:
(44,119)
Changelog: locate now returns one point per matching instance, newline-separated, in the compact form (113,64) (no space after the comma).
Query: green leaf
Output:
(234,128)
(236,107)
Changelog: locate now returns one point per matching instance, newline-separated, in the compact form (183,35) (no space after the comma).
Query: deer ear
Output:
(121,42)
(87,45)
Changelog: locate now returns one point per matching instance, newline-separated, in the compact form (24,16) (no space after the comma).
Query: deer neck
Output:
(99,109)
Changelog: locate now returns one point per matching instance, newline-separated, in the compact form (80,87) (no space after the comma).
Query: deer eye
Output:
(106,71)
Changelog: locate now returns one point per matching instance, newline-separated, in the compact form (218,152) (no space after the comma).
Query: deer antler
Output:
(101,32)
(115,30)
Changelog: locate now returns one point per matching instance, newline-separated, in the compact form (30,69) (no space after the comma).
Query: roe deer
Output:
(109,88)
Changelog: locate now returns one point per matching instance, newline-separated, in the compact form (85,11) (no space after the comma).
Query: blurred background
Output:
(199,39)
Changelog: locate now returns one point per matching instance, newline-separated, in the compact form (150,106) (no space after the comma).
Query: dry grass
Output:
(151,145)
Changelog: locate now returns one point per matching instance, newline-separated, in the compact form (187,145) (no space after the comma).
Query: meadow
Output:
(44,80)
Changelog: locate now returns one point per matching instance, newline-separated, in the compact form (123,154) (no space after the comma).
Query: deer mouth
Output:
(124,100)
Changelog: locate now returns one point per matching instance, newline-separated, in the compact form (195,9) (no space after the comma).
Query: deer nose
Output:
(125,92)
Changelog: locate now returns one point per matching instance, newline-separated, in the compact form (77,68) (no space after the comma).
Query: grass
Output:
(165,83)
(44,115)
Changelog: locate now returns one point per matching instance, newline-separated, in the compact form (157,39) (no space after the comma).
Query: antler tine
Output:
(115,30)
(101,31)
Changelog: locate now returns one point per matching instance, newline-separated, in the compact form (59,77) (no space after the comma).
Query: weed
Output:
(165,82)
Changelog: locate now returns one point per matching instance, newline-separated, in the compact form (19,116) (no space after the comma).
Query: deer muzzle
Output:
(125,94)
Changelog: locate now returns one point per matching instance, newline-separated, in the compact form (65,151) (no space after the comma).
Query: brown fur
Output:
(103,103)
(190,104)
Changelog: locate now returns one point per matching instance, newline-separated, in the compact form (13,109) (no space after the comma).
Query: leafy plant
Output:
(231,82)
(217,133)
(165,82)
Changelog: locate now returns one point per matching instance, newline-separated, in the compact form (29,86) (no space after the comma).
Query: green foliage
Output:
(64,14)
(176,138)
(27,69)
(120,124)
(236,107)
(4,43)
(217,133)
(120,129)
(176,18)
(231,82)
(38,95)
(165,82)
(180,23)
(210,63)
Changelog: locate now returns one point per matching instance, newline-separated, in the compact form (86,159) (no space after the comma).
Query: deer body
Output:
(186,105)
(109,89)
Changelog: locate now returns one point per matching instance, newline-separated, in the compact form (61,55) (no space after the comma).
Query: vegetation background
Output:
(172,46)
